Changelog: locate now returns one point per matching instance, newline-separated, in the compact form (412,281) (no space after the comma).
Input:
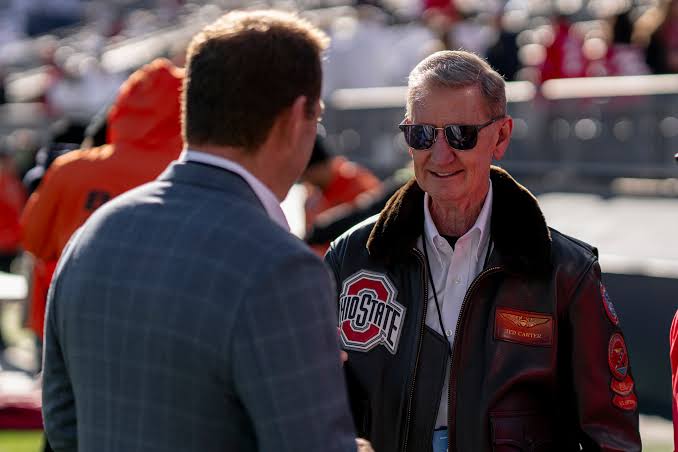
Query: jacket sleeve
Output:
(287,371)
(607,404)
(58,402)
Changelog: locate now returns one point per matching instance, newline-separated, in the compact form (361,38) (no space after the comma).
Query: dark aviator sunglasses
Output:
(461,137)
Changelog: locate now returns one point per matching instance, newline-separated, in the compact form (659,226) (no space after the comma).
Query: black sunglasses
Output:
(461,137)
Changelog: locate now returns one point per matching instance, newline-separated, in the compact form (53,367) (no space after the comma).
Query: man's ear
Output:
(298,117)
(503,138)
(288,125)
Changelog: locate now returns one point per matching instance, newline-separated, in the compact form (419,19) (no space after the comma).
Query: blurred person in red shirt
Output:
(564,57)
(331,181)
(12,200)
(144,136)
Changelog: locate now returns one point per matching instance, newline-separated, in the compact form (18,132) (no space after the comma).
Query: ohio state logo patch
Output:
(609,307)
(369,314)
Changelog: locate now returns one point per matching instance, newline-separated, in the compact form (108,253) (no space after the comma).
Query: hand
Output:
(363,445)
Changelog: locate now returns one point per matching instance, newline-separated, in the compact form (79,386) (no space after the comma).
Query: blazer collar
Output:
(210,177)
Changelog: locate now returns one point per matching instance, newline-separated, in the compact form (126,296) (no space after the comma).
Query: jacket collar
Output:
(212,178)
(522,241)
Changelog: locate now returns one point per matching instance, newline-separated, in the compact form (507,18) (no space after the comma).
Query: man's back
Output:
(181,329)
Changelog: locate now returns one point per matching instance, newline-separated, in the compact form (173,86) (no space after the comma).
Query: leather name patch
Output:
(523,327)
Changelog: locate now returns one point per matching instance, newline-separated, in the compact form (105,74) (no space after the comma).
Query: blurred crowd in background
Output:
(62,63)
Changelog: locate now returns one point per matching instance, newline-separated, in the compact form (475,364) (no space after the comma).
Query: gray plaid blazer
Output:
(182,318)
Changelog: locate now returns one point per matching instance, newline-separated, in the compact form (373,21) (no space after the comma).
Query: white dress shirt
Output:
(265,195)
(452,272)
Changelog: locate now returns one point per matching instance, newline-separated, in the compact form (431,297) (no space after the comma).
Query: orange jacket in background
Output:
(145,136)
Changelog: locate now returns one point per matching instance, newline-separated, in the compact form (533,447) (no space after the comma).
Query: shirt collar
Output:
(481,228)
(265,195)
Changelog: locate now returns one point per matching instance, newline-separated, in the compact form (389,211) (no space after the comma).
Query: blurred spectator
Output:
(657,29)
(65,137)
(42,16)
(3,96)
(621,56)
(12,200)
(79,88)
(366,51)
(564,57)
(446,7)
(333,222)
(503,53)
(144,132)
(43,159)
(333,180)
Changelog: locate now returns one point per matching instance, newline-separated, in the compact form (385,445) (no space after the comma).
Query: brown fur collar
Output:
(519,230)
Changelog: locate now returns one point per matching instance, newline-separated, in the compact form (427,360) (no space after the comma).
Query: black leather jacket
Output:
(539,362)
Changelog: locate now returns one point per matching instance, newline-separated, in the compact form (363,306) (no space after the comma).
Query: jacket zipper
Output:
(419,256)
(452,383)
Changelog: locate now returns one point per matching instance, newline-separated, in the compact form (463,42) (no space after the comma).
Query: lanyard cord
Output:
(433,287)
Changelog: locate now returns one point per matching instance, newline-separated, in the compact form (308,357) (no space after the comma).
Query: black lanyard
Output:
(433,287)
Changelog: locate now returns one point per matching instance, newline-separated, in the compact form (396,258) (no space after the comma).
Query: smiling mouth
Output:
(444,175)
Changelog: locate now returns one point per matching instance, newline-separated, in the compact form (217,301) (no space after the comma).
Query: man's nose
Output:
(441,151)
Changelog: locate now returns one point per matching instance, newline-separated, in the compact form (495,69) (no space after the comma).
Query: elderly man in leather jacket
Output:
(471,325)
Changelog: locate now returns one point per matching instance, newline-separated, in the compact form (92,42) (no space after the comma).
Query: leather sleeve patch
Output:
(623,388)
(523,327)
(626,403)
(617,357)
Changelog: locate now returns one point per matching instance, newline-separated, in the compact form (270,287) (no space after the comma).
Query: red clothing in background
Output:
(12,200)
(674,377)
(564,57)
(349,180)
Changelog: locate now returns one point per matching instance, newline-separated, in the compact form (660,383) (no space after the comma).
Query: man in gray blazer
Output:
(183,315)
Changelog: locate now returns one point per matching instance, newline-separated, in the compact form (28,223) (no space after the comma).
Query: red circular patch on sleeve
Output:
(617,357)
(626,403)
(623,388)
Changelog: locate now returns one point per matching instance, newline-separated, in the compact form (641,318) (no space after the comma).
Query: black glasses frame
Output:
(453,134)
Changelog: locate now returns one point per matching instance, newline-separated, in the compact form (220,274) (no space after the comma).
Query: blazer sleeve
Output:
(58,402)
(604,388)
(286,366)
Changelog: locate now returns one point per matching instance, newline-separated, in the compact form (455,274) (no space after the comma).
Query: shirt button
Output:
(448,333)
(457,281)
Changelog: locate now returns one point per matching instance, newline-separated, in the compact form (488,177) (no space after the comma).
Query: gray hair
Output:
(457,69)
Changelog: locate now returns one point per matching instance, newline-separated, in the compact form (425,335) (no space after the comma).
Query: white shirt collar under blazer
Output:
(265,195)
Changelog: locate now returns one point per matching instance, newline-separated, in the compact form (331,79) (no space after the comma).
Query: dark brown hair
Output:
(243,71)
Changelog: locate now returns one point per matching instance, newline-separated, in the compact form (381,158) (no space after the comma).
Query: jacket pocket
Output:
(521,432)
